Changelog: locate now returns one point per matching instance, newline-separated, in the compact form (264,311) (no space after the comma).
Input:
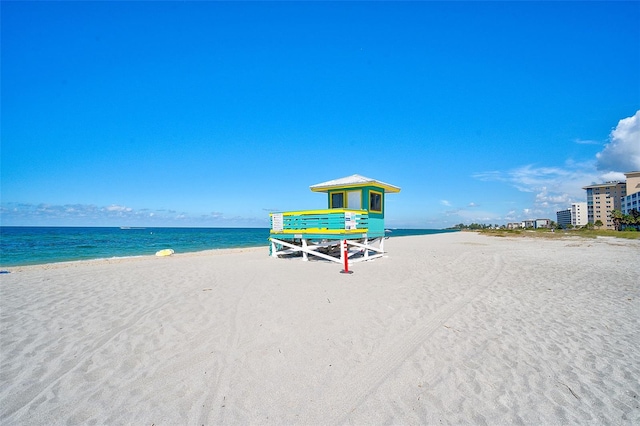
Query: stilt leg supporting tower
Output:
(333,250)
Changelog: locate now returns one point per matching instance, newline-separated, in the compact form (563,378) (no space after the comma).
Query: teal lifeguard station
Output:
(354,218)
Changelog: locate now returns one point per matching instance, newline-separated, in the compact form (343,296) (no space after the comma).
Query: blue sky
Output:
(215,113)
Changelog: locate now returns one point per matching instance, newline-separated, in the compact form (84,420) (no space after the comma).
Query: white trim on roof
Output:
(353,180)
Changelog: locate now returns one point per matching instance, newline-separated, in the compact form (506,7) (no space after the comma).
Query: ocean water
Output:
(36,245)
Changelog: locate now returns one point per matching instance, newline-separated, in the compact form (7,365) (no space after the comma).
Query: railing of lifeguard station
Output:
(330,222)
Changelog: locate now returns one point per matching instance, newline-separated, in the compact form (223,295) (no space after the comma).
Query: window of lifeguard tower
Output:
(337,200)
(375,201)
(354,200)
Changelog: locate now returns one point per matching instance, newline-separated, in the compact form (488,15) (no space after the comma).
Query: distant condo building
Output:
(603,198)
(563,217)
(543,223)
(575,216)
(531,224)
(579,214)
(632,199)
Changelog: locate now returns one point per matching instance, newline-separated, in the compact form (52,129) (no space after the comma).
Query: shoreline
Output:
(19,250)
(520,235)
(120,259)
(455,328)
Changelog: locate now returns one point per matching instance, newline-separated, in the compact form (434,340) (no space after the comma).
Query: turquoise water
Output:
(36,245)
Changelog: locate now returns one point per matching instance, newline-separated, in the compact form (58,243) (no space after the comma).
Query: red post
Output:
(345,253)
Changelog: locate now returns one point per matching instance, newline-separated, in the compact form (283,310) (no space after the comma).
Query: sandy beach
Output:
(454,328)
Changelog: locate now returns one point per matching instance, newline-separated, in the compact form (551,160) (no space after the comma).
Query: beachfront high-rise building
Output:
(632,199)
(563,217)
(575,216)
(579,215)
(602,198)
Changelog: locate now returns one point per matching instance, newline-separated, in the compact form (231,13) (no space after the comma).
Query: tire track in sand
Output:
(213,401)
(39,389)
(336,407)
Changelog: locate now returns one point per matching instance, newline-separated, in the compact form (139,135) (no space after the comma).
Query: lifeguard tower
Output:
(354,218)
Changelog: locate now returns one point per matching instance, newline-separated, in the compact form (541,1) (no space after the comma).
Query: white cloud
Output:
(622,153)
(445,203)
(546,199)
(555,182)
(558,186)
(511,215)
(550,188)
(608,177)
(25,214)
(555,188)
(116,208)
